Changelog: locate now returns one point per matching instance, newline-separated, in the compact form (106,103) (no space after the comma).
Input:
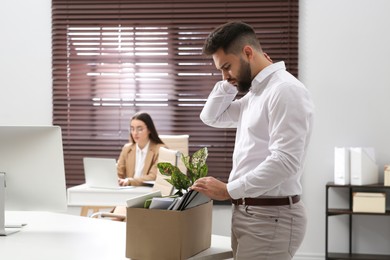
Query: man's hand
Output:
(212,188)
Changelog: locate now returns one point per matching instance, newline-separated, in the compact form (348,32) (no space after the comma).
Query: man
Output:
(274,124)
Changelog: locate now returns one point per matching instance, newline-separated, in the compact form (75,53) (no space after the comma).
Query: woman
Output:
(138,159)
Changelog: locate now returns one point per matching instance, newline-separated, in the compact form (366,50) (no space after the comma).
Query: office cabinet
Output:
(349,212)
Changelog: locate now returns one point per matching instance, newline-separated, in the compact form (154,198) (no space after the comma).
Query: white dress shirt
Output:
(140,160)
(274,124)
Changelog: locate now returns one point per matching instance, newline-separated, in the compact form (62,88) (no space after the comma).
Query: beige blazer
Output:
(126,163)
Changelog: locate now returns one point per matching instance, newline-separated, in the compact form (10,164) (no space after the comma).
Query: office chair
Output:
(173,157)
(178,143)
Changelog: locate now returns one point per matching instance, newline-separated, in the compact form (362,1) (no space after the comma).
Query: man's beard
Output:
(244,78)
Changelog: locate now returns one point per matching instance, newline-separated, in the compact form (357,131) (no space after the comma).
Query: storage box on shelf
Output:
(362,209)
(369,202)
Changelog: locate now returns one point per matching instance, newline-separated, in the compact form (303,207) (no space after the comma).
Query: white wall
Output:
(25,63)
(344,61)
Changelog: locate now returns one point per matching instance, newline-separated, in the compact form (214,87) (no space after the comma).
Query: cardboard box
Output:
(168,234)
(371,202)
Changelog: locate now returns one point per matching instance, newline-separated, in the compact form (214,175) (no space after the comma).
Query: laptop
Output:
(101,173)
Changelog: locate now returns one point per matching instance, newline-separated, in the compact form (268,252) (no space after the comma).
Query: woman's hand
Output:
(124,182)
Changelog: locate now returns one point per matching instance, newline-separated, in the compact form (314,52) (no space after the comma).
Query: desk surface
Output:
(64,237)
(82,195)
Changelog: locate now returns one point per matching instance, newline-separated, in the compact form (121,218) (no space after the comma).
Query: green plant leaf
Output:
(199,157)
(203,171)
(178,179)
(196,168)
(186,160)
(166,168)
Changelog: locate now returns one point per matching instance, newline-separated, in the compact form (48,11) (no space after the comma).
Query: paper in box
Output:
(168,234)
(371,202)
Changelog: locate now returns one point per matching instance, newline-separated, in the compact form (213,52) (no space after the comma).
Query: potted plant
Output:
(196,168)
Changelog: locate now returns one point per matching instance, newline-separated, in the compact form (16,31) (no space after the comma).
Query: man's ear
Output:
(267,57)
(248,51)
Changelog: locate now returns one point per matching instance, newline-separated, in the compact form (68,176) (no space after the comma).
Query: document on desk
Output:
(126,187)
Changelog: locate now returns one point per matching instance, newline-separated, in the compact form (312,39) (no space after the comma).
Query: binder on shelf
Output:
(364,169)
(387,175)
(341,166)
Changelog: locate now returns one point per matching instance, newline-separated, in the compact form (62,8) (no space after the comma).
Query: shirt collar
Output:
(145,149)
(264,73)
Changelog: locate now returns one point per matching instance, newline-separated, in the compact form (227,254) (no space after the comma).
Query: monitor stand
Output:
(4,229)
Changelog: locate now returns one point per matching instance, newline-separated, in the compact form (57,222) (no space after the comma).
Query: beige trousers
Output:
(267,232)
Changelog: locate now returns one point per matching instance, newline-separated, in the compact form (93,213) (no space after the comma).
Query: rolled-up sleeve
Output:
(220,109)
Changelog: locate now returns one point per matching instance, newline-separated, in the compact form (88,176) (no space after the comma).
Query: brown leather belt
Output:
(267,201)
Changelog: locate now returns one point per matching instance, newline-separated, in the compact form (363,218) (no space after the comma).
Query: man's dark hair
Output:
(231,37)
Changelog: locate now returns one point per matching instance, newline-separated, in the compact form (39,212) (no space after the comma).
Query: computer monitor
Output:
(32,174)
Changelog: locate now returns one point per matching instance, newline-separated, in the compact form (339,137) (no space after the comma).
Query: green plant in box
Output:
(196,168)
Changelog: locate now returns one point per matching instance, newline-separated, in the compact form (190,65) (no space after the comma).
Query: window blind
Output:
(114,58)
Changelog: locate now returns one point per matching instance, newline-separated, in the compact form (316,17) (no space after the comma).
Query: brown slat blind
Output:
(114,58)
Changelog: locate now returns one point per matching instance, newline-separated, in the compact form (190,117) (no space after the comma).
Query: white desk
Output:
(49,236)
(94,198)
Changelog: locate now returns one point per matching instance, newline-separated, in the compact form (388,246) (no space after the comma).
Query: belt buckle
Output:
(238,202)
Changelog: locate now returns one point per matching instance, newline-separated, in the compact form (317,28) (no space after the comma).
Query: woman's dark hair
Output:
(147,119)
